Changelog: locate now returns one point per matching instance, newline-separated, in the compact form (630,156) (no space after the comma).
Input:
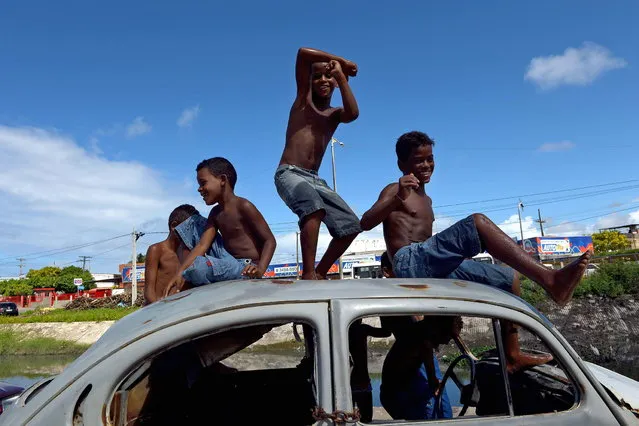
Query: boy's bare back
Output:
(161,265)
(243,228)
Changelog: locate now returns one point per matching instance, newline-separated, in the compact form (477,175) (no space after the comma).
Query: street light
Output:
(333,142)
(520,207)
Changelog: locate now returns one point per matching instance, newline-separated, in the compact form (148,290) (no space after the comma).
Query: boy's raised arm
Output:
(306,57)
(262,233)
(386,203)
(151,264)
(390,199)
(349,111)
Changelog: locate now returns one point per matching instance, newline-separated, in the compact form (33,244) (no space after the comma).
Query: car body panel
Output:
(328,305)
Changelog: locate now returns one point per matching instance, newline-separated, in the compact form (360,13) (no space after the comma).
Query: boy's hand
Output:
(252,271)
(175,286)
(335,70)
(406,185)
(350,68)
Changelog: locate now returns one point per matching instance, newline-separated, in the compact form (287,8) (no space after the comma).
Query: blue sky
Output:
(106,109)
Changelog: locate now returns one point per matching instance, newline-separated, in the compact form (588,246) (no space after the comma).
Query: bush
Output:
(610,280)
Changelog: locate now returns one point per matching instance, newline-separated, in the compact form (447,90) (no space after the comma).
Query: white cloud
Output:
(576,66)
(137,127)
(557,146)
(188,116)
(56,194)
(511,227)
(94,144)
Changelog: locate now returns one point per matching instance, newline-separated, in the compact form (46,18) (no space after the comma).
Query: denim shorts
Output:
(446,255)
(304,193)
(217,264)
(209,270)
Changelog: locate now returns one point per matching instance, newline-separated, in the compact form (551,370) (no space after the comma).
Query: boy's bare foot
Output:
(524,361)
(309,276)
(320,276)
(567,278)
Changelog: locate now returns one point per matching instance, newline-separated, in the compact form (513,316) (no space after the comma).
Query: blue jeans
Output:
(304,192)
(415,401)
(217,264)
(446,254)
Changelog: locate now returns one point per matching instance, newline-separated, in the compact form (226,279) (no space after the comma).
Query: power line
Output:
(536,193)
(65,249)
(592,217)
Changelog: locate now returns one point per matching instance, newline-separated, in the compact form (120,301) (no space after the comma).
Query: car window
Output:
(229,377)
(418,367)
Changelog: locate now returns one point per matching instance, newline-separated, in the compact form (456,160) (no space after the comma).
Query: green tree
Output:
(16,288)
(43,277)
(64,282)
(141,258)
(607,241)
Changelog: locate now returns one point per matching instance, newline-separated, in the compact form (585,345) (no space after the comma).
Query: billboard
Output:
(558,246)
(288,270)
(126,270)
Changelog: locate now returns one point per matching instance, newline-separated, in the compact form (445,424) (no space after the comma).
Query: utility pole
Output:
(540,222)
(333,142)
(297,255)
(520,207)
(134,263)
(21,265)
(84,261)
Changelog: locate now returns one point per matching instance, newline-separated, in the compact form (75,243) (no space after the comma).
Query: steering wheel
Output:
(468,393)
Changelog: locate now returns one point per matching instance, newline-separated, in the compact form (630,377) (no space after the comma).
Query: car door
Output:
(93,398)
(592,406)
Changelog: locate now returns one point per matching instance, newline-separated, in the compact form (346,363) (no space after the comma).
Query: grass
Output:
(12,343)
(63,315)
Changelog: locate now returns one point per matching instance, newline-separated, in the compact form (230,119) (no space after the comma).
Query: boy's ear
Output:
(400,164)
(224,178)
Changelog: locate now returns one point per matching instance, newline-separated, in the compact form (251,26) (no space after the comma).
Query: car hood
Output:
(623,388)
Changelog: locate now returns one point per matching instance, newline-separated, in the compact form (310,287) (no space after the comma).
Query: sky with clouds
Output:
(105,110)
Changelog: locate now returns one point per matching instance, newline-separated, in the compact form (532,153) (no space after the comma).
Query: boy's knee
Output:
(480,218)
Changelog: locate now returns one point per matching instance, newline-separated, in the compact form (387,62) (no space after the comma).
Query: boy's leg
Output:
(516,359)
(335,249)
(505,279)
(297,188)
(309,234)
(560,284)
(342,223)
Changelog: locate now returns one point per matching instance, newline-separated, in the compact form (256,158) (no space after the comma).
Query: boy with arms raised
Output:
(311,125)
(407,214)
(247,237)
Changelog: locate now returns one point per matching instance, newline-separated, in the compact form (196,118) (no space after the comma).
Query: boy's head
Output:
(387,266)
(180,214)
(439,330)
(322,83)
(415,155)
(213,177)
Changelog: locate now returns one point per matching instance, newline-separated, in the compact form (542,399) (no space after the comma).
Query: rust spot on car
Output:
(284,282)
(174,298)
(415,286)
(460,283)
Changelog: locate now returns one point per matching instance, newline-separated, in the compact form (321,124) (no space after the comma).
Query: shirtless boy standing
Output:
(311,125)
(408,217)
(162,261)
(246,235)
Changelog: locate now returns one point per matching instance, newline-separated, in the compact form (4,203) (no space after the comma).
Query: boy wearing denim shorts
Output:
(248,243)
(311,125)
(407,215)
